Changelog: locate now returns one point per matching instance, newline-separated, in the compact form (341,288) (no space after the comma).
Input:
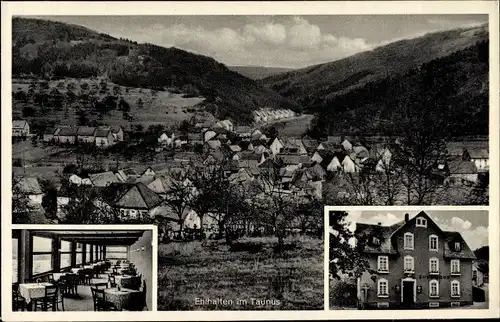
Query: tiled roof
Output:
(18,124)
(383,233)
(139,196)
(460,166)
(449,252)
(102,131)
(49,130)
(293,158)
(86,131)
(67,131)
(103,179)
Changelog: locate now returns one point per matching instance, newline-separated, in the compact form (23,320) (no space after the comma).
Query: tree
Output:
(49,200)
(86,207)
(179,195)
(276,206)
(345,258)
(22,207)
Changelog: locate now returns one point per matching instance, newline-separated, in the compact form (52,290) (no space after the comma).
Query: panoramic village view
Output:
(232,162)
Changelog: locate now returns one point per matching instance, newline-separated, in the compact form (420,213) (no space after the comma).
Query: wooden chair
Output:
(99,299)
(71,284)
(17,300)
(101,285)
(112,281)
(49,301)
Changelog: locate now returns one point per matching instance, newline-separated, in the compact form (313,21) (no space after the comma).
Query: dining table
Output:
(57,276)
(122,298)
(32,291)
(76,270)
(119,278)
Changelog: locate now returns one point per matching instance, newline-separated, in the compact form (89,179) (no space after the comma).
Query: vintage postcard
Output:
(179,161)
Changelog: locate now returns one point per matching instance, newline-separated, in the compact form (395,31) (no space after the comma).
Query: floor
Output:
(83,300)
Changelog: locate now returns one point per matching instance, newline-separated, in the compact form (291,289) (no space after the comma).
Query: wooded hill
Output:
(54,50)
(364,93)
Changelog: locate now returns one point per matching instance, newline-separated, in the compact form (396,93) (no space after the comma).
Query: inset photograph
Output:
(396,259)
(82,270)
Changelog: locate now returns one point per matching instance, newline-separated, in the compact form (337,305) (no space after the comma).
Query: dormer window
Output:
(375,241)
(457,246)
(421,222)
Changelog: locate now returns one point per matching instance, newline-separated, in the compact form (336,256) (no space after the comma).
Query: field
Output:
(190,274)
(292,128)
(162,107)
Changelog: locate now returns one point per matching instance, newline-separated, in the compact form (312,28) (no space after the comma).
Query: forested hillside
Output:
(454,88)
(53,50)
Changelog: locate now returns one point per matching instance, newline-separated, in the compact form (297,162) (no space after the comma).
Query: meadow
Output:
(209,275)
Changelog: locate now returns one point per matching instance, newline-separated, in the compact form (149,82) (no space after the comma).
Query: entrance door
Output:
(408,292)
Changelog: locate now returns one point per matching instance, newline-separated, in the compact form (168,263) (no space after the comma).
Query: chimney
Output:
(380,224)
(407,217)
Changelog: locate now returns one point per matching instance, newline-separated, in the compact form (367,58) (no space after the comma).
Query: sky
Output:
(272,41)
(471,224)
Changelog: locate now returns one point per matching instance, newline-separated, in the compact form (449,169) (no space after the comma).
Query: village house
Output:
(256,134)
(275,146)
(212,145)
(475,151)
(103,179)
(243,131)
(209,135)
(132,201)
(293,146)
(480,272)
(67,135)
(310,145)
(104,137)
(346,145)
(334,165)
(328,146)
(20,128)
(349,165)
(85,134)
(415,264)
(49,134)
(462,171)
(117,132)
(195,138)
(164,140)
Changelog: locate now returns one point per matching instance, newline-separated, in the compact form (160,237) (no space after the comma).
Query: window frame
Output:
(437,265)
(379,258)
(33,253)
(61,252)
(379,283)
(457,272)
(82,250)
(17,261)
(432,282)
(117,252)
(430,243)
(412,269)
(455,282)
(459,248)
(412,246)
(421,222)
(375,240)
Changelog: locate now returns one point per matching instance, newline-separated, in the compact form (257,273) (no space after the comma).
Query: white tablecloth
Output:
(76,270)
(57,276)
(32,291)
(119,278)
(121,299)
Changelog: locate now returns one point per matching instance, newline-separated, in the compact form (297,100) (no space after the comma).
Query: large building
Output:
(414,264)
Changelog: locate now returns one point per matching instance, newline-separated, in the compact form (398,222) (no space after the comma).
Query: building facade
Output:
(414,264)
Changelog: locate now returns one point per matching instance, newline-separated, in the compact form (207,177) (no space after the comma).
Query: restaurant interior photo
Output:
(82,270)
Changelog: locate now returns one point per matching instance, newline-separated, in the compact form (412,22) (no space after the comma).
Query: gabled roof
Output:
(139,196)
(293,158)
(449,251)
(161,184)
(103,178)
(19,124)
(330,146)
(213,144)
(459,166)
(102,131)
(310,144)
(234,148)
(86,130)
(67,131)
(383,233)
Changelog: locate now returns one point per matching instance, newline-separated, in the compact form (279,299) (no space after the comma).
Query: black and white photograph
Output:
(396,259)
(229,133)
(82,270)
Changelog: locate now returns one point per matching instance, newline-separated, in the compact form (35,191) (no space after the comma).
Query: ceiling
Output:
(101,237)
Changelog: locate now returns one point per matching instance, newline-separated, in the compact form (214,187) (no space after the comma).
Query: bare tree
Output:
(179,194)
(22,207)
